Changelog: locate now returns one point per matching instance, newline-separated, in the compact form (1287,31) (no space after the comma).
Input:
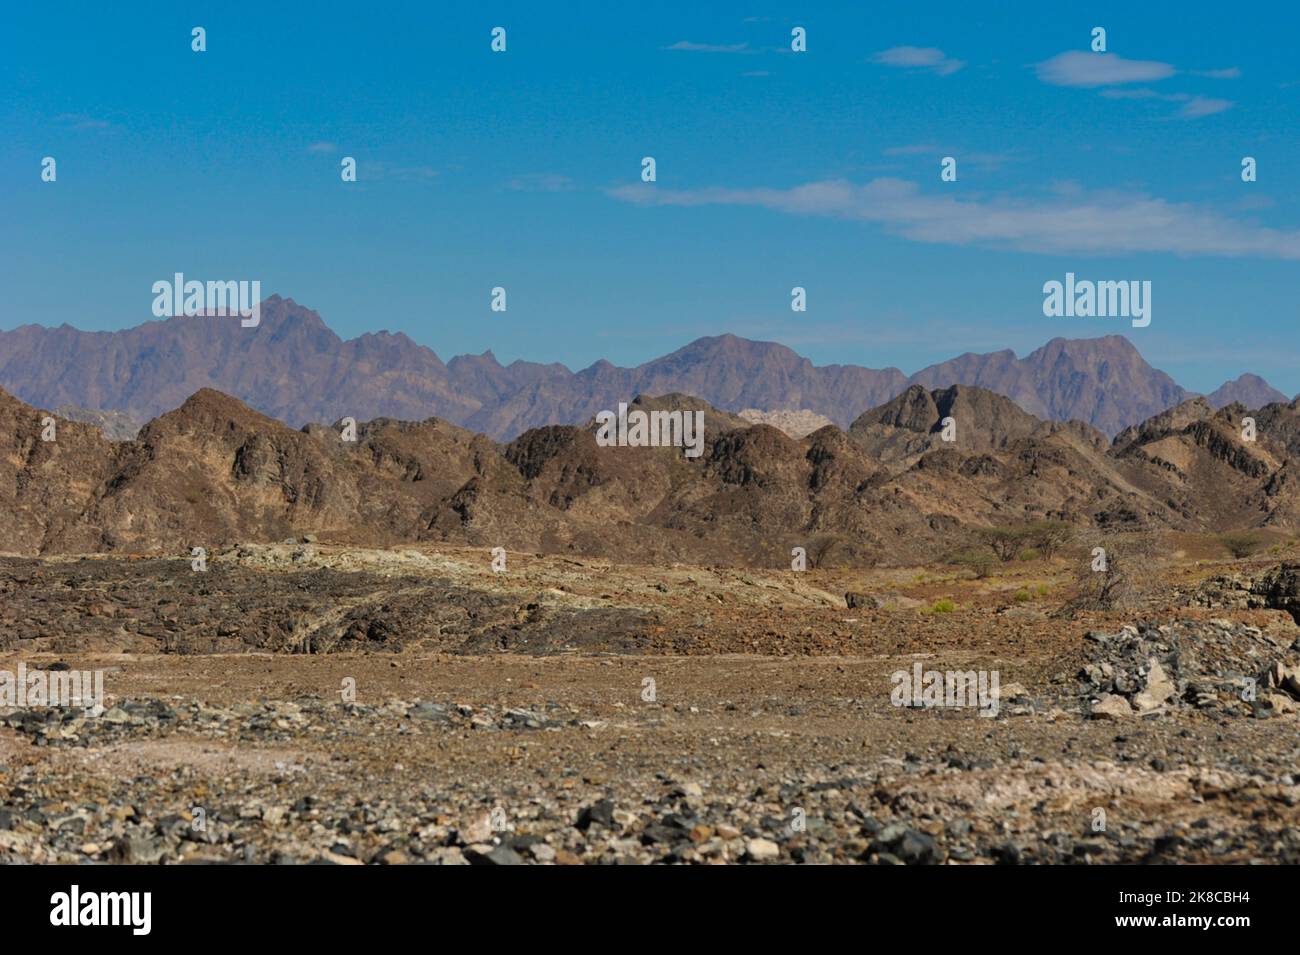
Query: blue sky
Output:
(775,169)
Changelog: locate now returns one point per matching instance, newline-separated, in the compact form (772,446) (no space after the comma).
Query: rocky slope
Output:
(113,425)
(891,488)
(797,424)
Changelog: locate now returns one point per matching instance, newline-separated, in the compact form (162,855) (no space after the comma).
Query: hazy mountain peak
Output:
(295,368)
(1249,390)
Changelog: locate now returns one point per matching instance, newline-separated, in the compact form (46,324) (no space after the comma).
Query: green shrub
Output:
(1042,537)
(1241,543)
(978,562)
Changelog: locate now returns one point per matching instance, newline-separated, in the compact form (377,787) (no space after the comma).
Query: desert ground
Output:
(299,703)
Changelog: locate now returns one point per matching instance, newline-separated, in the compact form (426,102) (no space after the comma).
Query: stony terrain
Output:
(919,479)
(308,703)
(797,424)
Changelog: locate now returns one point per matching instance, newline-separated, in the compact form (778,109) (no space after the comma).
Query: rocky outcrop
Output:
(1277,588)
(1212,665)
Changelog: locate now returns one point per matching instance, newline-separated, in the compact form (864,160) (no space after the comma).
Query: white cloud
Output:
(1107,69)
(541,182)
(689,47)
(1140,93)
(1106,223)
(984,160)
(1199,106)
(322,147)
(916,149)
(1194,107)
(82,121)
(375,171)
(918,58)
(1077,68)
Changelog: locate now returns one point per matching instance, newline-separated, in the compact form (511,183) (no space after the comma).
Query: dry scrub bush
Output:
(1128,575)
(1039,539)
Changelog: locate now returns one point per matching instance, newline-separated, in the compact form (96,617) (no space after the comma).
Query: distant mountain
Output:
(1103,381)
(796,424)
(294,368)
(291,367)
(114,425)
(1249,390)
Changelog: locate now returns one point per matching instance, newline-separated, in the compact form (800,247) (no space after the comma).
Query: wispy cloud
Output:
(1077,68)
(541,182)
(1142,92)
(1099,223)
(1193,107)
(690,47)
(82,121)
(1231,73)
(919,58)
(323,147)
(1199,106)
(915,149)
(375,171)
(986,160)
(1091,70)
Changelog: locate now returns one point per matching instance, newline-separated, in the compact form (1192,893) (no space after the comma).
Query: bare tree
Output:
(1116,571)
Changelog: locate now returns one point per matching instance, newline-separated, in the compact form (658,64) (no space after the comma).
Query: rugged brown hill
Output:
(912,424)
(215,472)
(294,368)
(1213,476)
(46,484)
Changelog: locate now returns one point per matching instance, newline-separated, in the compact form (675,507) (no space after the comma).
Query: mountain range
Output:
(294,368)
(910,480)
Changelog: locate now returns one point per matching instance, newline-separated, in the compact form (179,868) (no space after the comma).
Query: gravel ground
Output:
(1115,740)
(507,760)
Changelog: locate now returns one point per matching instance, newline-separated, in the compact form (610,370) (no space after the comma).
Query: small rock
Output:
(497,855)
(1111,707)
(478,830)
(542,852)
(599,813)
(1158,690)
